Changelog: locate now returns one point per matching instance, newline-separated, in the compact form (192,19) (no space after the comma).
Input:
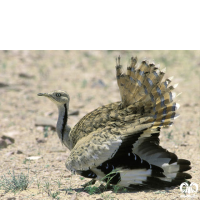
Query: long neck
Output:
(62,128)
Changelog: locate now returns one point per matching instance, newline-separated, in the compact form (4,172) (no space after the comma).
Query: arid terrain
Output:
(29,144)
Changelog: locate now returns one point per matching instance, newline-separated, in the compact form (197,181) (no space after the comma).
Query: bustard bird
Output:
(120,140)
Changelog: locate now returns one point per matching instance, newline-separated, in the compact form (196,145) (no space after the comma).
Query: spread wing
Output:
(102,145)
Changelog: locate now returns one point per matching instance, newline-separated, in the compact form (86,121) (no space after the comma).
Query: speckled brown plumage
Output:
(122,138)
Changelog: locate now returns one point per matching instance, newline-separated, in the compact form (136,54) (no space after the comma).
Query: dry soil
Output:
(89,78)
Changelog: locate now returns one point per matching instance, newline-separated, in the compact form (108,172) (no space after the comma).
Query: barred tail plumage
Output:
(142,88)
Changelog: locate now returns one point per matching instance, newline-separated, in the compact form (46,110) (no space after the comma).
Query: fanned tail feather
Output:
(142,87)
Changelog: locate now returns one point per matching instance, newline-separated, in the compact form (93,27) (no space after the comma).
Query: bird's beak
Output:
(43,94)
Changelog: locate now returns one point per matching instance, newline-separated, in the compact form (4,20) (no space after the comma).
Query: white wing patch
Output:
(136,176)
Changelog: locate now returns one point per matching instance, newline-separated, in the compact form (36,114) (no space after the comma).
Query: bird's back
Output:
(111,115)
(142,94)
(97,119)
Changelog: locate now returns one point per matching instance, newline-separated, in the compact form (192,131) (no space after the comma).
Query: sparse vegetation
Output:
(24,161)
(46,133)
(54,195)
(169,135)
(51,71)
(47,185)
(84,83)
(109,177)
(38,184)
(116,188)
(58,181)
(14,183)
(92,189)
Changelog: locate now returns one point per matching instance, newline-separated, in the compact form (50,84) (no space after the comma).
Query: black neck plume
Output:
(64,121)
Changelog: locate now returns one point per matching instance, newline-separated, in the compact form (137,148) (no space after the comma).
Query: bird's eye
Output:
(58,94)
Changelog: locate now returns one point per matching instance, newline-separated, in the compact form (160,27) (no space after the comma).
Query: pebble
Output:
(84,194)
(40,128)
(74,112)
(8,138)
(74,197)
(19,152)
(40,140)
(108,192)
(11,134)
(3,84)
(3,143)
(9,153)
(33,157)
(45,121)
(11,198)
(25,75)
(8,142)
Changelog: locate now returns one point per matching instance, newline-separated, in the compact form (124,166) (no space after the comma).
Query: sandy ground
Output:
(89,78)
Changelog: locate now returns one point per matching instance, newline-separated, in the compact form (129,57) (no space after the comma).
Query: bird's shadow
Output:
(116,189)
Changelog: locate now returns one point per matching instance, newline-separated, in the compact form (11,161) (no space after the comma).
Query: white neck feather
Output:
(65,139)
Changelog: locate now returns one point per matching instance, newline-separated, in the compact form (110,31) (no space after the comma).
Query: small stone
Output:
(11,198)
(99,199)
(83,194)
(3,143)
(108,192)
(190,133)
(67,175)
(44,121)
(7,137)
(33,157)
(3,84)
(74,197)
(40,140)
(11,134)
(184,144)
(8,142)
(40,128)
(19,152)
(25,75)
(9,153)
(75,112)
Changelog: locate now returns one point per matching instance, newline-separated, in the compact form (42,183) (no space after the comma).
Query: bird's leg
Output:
(92,182)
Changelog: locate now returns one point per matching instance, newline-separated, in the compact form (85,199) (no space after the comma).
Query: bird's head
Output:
(59,97)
